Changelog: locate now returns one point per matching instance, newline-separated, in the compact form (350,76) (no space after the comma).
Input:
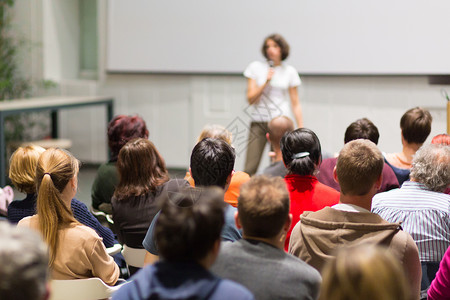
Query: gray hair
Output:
(23,263)
(431,166)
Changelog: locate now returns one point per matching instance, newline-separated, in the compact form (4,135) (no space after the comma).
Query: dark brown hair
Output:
(280,41)
(358,166)
(263,206)
(188,230)
(416,125)
(122,129)
(141,169)
(362,129)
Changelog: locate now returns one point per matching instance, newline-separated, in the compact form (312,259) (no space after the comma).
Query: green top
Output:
(104,186)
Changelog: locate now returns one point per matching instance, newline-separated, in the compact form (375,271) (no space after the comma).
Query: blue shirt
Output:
(424,214)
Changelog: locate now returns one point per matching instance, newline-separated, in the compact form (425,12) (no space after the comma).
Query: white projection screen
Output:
(327,37)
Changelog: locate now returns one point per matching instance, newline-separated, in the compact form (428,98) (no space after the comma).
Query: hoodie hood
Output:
(181,281)
(315,238)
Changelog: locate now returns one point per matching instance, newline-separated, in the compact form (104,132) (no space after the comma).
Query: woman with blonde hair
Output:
(22,172)
(366,272)
(215,131)
(76,251)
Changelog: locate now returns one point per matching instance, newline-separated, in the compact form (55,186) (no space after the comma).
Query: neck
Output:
(278,156)
(276,241)
(364,201)
(409,150)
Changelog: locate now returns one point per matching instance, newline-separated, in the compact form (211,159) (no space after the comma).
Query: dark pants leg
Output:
(429,270)
(255,147)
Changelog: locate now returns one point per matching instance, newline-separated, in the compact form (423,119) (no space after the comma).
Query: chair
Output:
(134,257)
(114,249)
(80,289)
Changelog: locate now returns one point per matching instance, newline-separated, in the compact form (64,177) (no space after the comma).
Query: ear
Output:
(288,223)
(379,181)
(229,177)
(267,137)
(237,221)
(216,247)
(335,175)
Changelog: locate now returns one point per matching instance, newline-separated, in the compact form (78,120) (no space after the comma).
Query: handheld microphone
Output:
(270,63)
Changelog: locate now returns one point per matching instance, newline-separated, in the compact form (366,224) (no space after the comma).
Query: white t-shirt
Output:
(274,100)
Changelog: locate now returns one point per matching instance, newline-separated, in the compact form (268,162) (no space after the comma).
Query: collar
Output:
(349,207)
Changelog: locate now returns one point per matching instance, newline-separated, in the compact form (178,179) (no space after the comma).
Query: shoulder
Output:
(27,221)
(255,68)
(138,288)
(240,176)
(228,289)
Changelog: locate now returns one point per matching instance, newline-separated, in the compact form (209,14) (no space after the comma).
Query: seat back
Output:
(134,257)
(80,289)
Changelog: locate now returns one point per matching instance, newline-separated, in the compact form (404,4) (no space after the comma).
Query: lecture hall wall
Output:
(176,107)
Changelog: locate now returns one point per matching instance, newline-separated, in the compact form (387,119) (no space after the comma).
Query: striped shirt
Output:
(424,214)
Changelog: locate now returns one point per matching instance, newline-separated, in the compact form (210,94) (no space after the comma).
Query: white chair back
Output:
(134,257)
(80,289)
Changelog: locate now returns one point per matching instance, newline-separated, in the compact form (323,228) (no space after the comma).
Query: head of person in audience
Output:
(24,264)
(367,272)
(190,231)
(431,167)
(301,151)
(362,129)
(278,126)
(275,48)
(123,129)
(263,210)
(212,163)
(215,131)
(358,170)
(22,168)
(57,183)
(443,139)
(141,169)
(415,125)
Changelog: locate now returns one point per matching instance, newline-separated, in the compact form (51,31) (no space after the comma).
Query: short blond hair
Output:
(358,167)
(215,131)
(22,168)
(263,206)
(368,272)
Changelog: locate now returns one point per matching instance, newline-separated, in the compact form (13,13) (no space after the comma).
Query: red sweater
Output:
(307,194)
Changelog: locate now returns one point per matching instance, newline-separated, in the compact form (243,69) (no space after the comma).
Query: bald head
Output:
(277,128)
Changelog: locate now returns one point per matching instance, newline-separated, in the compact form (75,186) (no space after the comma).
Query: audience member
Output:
(258,260)
(24,264)
(416,126)
(219,132)
(76,251)
(359,173)
(301,153)
(212,162)
(440,287)
(121,129)
(277,127)
(422,207)
(188,236)
(22,172)
(443,139)
(142,173)
(364,272)
(360,129)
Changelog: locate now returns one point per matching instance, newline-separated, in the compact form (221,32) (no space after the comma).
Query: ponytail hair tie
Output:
(300,155)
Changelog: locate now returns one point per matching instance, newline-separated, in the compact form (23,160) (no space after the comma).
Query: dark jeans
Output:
(429,270)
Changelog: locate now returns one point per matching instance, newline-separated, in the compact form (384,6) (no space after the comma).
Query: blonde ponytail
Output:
(54,170)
